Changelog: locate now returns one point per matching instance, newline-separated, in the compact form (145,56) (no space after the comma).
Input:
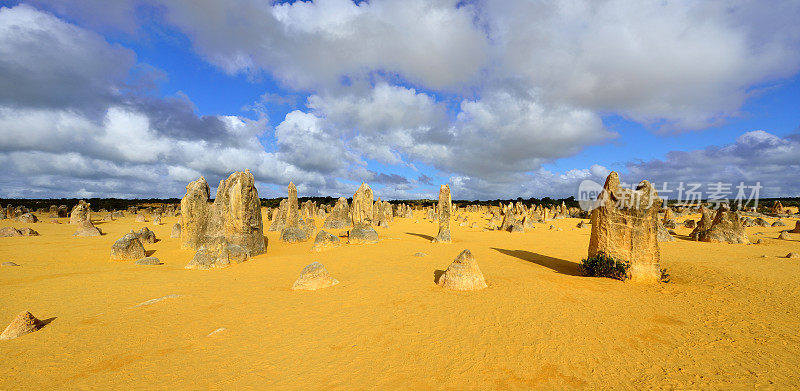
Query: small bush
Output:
(664,275)
(603,265)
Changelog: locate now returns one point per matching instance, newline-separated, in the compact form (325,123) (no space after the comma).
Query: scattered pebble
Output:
(8,264)
(153,301)
(148,261)
(215,332)
(420,254)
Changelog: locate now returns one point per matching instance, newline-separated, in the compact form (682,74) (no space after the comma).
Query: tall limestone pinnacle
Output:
(445,209)
(231,225)
(625,227)
(292,232)
(361,212)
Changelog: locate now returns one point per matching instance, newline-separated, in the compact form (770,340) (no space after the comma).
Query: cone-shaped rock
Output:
(463,274)
(313,277)
(86,228)
(24,323)
(445,208)
(625,226)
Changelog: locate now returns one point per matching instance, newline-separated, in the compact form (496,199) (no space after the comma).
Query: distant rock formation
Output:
(463,274)
(777,208)
(726,228)
(313,277)
(27,218)
(278,220)
(339,216)
(176,231)
(703,225)
(80,212)
(625,227)
(445,208)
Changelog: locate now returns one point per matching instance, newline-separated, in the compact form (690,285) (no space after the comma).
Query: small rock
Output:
(792,255)
(8,264)
(325,240)
(420,255)
(24,323)
(313,277)
(148,261)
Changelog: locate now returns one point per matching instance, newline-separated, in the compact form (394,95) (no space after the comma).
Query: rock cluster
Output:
(231,223)
(725,228)
(7,232)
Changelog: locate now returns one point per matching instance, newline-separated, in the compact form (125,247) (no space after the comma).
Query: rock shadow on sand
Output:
(426,237)
(556,264)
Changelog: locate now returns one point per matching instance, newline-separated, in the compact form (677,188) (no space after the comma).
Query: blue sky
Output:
(498,98)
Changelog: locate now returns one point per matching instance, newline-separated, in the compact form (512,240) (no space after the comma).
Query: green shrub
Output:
(603,265)
(664,275)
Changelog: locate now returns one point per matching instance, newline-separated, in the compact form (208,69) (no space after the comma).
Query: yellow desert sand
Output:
(728,318)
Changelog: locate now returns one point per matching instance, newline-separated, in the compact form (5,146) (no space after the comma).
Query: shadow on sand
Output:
(426,237)
(558,265)
(437,274)
(46,322)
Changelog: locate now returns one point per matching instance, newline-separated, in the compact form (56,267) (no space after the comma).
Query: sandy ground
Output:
(730,318)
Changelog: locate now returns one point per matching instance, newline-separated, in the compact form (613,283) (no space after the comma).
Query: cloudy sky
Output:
(499,98)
